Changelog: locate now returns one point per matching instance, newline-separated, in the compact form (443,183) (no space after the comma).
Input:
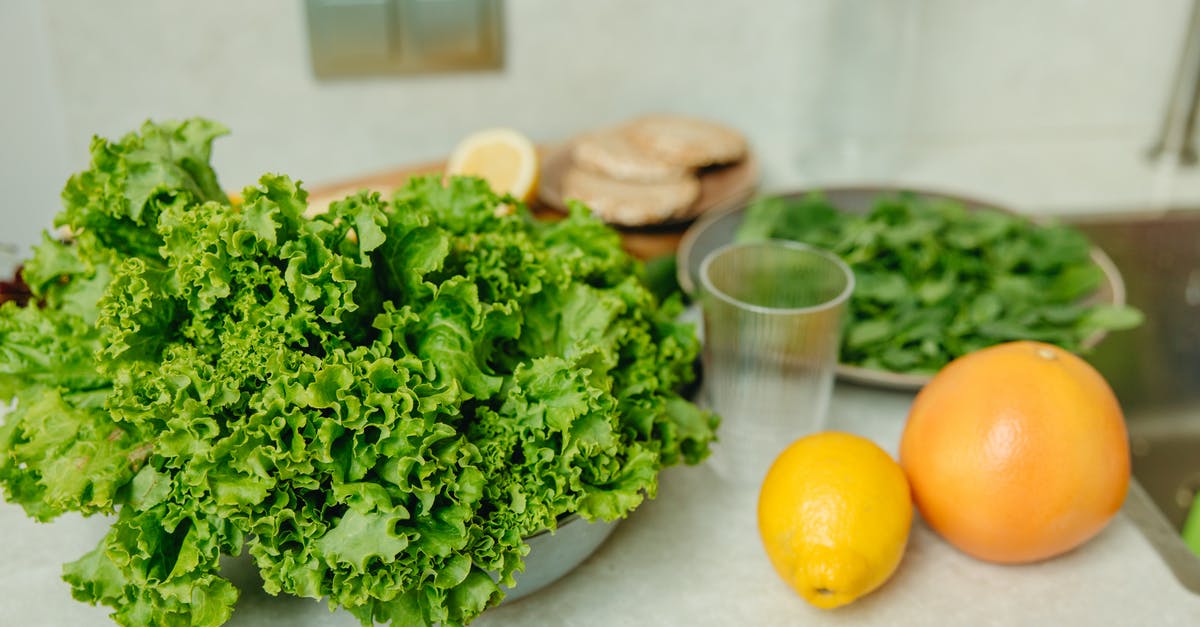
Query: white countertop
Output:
(692,557)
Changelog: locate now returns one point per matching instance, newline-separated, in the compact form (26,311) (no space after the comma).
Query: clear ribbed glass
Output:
(772,322)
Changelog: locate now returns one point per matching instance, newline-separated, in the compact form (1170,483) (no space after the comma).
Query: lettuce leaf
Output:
(377,404)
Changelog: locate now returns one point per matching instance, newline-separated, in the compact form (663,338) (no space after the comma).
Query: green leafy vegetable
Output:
(935,281)
(377,404)
(661,277)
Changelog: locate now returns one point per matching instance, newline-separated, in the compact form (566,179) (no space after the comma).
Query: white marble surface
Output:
(692,557)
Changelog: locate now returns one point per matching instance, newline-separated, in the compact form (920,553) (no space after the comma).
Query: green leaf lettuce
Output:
(377,404)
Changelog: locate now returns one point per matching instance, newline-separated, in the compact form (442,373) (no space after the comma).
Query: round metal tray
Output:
(717,229)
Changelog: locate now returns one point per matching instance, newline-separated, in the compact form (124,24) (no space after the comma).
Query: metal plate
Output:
(718,229)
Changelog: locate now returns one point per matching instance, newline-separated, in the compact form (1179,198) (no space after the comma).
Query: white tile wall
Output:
(1031,67)
(1045,104)
(33,163)
(570,65)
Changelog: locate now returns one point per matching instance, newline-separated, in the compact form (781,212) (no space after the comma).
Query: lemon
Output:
(834,514)
(503,157)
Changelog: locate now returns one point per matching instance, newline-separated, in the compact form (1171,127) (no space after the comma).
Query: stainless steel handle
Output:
(1177,133)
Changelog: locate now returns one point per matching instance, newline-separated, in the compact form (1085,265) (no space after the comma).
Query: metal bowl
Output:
(553,554)
(716,230)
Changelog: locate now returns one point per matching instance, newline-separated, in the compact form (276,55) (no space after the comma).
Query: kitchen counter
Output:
(692,557)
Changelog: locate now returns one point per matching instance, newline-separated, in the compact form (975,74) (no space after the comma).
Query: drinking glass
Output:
(772,326)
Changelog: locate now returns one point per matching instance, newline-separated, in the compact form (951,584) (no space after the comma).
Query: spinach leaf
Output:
(935,280)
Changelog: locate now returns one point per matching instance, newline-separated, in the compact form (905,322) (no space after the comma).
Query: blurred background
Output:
(1046,105)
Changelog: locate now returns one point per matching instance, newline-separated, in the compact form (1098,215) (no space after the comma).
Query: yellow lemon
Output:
(503,157)
(834,514)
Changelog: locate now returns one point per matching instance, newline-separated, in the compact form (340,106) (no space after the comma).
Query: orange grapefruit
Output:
(1017,452)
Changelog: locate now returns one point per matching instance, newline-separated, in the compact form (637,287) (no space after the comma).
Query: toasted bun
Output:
(686,141)
(611,152)
(629,203)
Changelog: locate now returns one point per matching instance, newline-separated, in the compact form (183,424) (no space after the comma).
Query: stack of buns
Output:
(647,171)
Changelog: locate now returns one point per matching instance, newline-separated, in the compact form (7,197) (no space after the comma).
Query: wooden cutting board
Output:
(644,243)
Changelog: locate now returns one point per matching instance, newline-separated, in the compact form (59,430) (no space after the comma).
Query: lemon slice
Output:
(503,157)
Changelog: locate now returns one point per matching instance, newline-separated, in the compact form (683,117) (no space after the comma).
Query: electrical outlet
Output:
(382,37)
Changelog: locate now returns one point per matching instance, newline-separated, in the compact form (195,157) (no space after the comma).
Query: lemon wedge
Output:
(503,157)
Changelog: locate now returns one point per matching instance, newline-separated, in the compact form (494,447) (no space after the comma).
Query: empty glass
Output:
(772,323)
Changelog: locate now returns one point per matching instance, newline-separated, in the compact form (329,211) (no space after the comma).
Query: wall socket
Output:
(383,37)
